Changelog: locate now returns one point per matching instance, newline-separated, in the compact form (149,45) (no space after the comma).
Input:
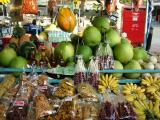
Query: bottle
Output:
(80,71)
(44,62)
(31,58)
(53,62)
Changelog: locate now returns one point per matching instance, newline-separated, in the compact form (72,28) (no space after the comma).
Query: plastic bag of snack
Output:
(87,92)
(20,105)
(124,109)
(15,10)
(108,109)
(29,7)
(65,89)
(4,105)
(93,74)
(86,110)
(80,71)
(43,108)
(105,56)
(8,82)
(67,108)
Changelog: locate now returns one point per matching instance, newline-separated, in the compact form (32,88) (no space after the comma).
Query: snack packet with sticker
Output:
(20,105)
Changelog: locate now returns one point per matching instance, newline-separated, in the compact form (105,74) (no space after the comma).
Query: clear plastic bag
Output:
(108,109)
(105,56)
(19,107)
(42,107)
(124,108)
(30,7)
(93,74)
(65,89)
(86,110)
(80,75)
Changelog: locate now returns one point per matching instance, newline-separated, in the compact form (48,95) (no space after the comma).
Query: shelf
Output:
(70,70)
(123,81)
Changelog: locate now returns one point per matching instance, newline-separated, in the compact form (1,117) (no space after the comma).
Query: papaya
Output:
(66,20)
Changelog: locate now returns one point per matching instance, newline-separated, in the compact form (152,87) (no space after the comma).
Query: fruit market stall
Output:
(74,63)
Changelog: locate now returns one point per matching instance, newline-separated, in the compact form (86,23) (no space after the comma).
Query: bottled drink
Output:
(31,58)
(44,62)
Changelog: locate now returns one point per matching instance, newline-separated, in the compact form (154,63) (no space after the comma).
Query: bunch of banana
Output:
(152,87)
(5,1)
(147,110)
(133,92)
(108,82)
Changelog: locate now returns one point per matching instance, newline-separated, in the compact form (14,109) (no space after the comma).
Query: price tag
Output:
(42,88)
(68,99)
(18,103)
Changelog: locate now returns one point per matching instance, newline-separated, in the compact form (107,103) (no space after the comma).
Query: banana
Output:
(108,82)
(134,90)
(150,104)
(156,107)
(138,105)
(151,89)
(129,98)
(142,117)
(138,112)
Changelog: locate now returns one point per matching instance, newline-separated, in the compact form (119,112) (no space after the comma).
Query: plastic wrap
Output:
(65,89)
(8,82)
(86,110)
(93,75)
(29,7)
(80,75)
(87,92)
(42,107)
(116,108)
(105,56)
(19,107)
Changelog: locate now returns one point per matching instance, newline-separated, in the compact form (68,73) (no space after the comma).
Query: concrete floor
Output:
(155,45)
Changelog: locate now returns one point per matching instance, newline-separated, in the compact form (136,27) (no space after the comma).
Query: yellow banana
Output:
(150,105)
(102,82)
(106,77)
(129,98)
(151,89)
(138,105)
(142,117)
(138,112)
(156,107)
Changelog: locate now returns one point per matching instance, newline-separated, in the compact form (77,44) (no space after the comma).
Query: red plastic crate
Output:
(133,23)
